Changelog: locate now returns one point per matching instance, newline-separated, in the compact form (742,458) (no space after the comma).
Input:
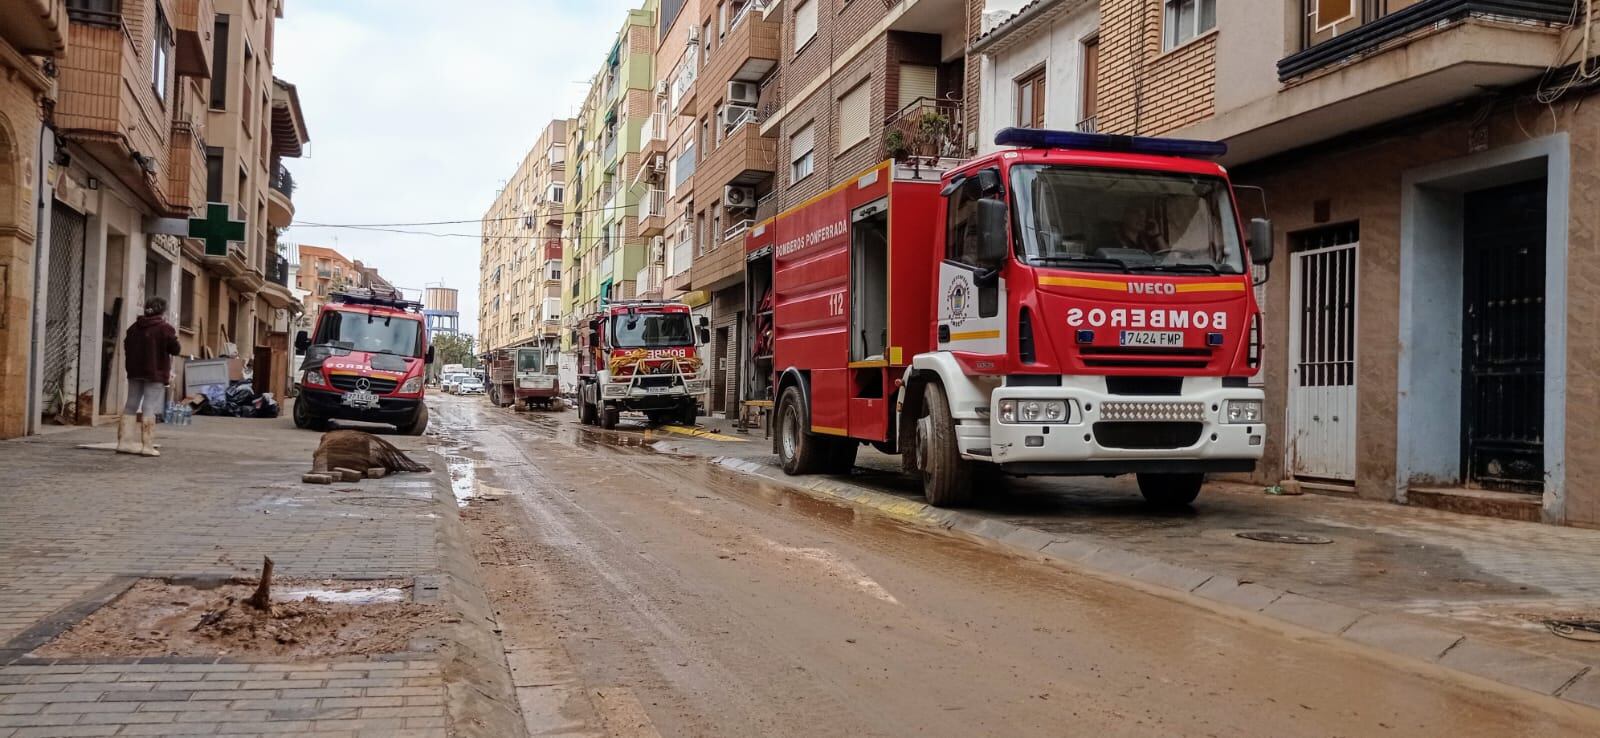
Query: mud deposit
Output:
(158,618)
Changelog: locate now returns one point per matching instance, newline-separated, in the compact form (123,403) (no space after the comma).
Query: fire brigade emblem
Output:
(959,298)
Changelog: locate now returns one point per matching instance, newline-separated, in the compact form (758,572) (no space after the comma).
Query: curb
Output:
(479,697)
(1571,681)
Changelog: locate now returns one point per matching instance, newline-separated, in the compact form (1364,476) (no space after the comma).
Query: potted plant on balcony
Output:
(919,139)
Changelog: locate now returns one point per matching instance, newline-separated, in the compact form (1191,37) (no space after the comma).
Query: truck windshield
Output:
(378,334)
(530,360)
(651,330)
(1125,221)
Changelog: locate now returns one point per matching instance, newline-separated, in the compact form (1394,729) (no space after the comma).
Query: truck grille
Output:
(347,382)
(1127,357)
(663,381)
(1153,411)
(1143,435)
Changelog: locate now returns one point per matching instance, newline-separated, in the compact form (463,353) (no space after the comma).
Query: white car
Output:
(448,382)
(469,386)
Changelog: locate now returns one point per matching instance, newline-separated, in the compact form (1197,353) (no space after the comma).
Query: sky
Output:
(419,110)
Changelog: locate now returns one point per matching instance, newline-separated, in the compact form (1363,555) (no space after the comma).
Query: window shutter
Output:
(805,22)
(917,81)
(802,143)
(853,121)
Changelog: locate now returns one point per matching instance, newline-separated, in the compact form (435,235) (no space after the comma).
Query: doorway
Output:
(869,282)
(1502,348)
(1322,341)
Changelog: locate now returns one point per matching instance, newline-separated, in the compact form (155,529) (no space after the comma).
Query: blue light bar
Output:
(1039,138)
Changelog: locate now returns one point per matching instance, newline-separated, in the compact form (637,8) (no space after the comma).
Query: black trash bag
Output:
(266,407)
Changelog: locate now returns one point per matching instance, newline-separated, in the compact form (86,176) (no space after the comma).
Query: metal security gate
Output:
(1502,392)
(64,313)
(1322,334)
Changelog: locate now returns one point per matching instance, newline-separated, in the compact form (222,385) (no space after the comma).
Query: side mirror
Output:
(705,333)
(301,342)
(704,322)
(1260,238)
(428,358)
(992,245)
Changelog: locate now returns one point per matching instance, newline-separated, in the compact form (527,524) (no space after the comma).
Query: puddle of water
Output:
(463,479)
(346,596)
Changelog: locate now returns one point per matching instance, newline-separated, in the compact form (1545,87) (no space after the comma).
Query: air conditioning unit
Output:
(743,93)
(658,163)
(738,197)
(658,251)
(734,115)
(694,34)
(661,88)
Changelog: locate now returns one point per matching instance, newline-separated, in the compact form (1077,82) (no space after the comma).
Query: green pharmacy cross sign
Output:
(217,229)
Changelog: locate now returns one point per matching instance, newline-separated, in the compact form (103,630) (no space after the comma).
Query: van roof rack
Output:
(378,297)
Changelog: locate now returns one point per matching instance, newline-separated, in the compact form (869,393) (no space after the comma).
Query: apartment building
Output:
(33,33)
(602,226)
(519,293)
(324,271)
(663,183)
(135,130)
(1428,167)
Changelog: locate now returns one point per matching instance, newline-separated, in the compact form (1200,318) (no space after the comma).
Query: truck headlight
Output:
(615,390)
(1244,411)
(695,386)
(411,385)
(313,377)
(1033,411)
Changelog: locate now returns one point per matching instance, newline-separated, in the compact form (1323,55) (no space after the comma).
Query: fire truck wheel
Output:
(946,478)
(418,424)
(609,416)
(1169,491)
(799,451)
(304,419)
(689,414)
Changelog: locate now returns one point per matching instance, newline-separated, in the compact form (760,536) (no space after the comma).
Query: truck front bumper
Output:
(391,410)
(1104,433)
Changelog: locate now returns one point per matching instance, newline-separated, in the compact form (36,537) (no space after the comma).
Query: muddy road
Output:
(645,594)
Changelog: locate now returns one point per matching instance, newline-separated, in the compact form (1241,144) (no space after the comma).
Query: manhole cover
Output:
(1270,536)
(394,502)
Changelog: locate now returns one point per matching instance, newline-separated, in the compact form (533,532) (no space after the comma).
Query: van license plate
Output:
(1163,339)
(360,398)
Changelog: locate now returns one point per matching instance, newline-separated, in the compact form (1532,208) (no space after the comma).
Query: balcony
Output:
(289,135)
(652,212)
(114,129)
(653,136)
(648,282)
(552,250)
(186,167)
(1392,65)
(608,158)
(682,100)
(925,131)
(745,157)
(280,197)
(193,21)
(749,50)
(38,27)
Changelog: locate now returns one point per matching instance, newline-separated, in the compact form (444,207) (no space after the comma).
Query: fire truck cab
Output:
(1078,304)
(641,356)
(366,360)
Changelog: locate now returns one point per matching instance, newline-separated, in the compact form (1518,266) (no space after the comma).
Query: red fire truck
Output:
(1077,304)
(365,361)
(641,356)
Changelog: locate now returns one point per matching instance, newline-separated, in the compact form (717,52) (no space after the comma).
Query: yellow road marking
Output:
(698,433)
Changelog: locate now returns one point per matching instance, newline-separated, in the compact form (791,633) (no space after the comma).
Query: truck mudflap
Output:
(1081,428)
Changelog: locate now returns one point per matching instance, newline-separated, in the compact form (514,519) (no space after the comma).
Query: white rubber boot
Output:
(127,443)
(147,437)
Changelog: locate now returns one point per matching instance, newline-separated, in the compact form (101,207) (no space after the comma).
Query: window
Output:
(1030,99)
(805,23)
(800,156)
(918,82)
(1329,12)
(853,117)
(161,54)
(248,99)
(1091,83)
(100,12)
(558,191)
(186,301)
(1186,19)
(214,174)
(219,61)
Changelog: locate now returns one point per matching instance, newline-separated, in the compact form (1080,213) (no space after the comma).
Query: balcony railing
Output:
(282,181)
(926,129)
(654,129)
(682,257)
(1090,124)
(610,153)
(1385,28)
(653,204)
(738,228)
(278,270)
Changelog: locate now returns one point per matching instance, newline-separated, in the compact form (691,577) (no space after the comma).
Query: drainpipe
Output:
(41,232)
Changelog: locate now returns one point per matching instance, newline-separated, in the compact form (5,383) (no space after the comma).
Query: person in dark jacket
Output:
(148,350)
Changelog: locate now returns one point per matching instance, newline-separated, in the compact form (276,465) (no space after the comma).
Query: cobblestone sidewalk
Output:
(80,524)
